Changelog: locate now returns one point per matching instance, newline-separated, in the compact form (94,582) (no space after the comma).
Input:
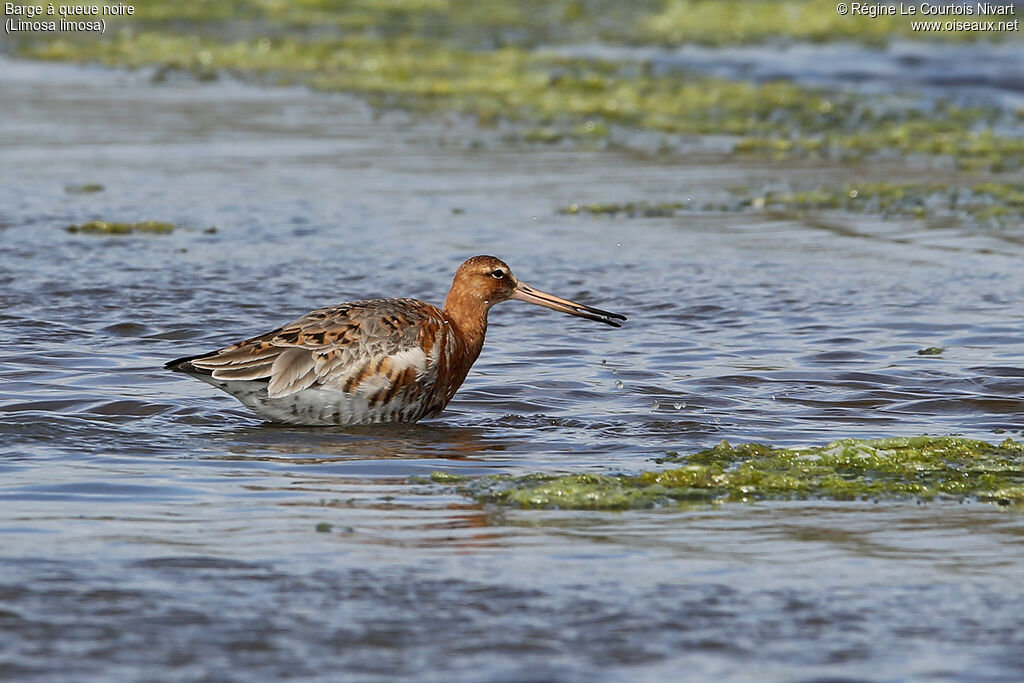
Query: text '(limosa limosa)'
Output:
(381,360)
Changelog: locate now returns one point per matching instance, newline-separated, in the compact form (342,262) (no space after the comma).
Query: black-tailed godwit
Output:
(382,360)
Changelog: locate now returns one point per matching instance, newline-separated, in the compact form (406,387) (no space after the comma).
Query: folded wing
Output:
(377,348)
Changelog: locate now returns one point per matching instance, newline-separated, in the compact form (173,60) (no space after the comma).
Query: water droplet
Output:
(615,371)
(618,384)
(679,405)
(604,361)
(655,404)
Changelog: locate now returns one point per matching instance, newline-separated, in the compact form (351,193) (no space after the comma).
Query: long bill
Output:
(534,296)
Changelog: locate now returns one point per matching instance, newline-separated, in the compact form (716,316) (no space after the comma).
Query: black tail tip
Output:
(181,364)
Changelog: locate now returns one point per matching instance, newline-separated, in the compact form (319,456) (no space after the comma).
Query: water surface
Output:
(153,528)
(970,74)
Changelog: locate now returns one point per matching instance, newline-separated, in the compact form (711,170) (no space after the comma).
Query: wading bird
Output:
(381,360)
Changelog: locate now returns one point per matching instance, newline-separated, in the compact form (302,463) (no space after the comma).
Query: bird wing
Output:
(375,347)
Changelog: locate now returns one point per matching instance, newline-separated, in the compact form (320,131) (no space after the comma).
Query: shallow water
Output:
(970,75)
(152,528)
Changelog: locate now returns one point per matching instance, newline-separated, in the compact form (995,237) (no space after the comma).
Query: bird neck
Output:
(469,316)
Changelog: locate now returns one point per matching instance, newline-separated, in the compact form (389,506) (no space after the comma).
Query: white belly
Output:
(318,405)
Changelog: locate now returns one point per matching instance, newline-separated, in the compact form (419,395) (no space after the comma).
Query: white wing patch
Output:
(412,357)
(397,364)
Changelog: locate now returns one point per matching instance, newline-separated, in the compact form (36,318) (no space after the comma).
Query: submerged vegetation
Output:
(85,188)
(922,468)
(116,228)
(478,59)
(980,202)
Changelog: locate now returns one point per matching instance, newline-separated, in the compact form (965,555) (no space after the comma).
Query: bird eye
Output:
(498,274)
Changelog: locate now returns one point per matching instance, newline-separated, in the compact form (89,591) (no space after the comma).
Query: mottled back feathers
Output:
(378,350)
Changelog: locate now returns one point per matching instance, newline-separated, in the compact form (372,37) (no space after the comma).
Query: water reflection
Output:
(327,444)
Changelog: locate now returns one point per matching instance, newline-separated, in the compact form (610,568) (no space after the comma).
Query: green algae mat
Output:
(484,61)
(916,468)
(118,228)
(1000,204)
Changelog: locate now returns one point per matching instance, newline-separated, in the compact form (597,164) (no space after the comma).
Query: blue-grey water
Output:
(152,529)
(979,74)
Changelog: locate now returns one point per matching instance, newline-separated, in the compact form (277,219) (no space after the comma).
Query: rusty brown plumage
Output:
(381,360)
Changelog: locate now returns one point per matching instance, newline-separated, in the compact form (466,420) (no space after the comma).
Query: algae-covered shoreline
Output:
(919,468)
(481,61)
